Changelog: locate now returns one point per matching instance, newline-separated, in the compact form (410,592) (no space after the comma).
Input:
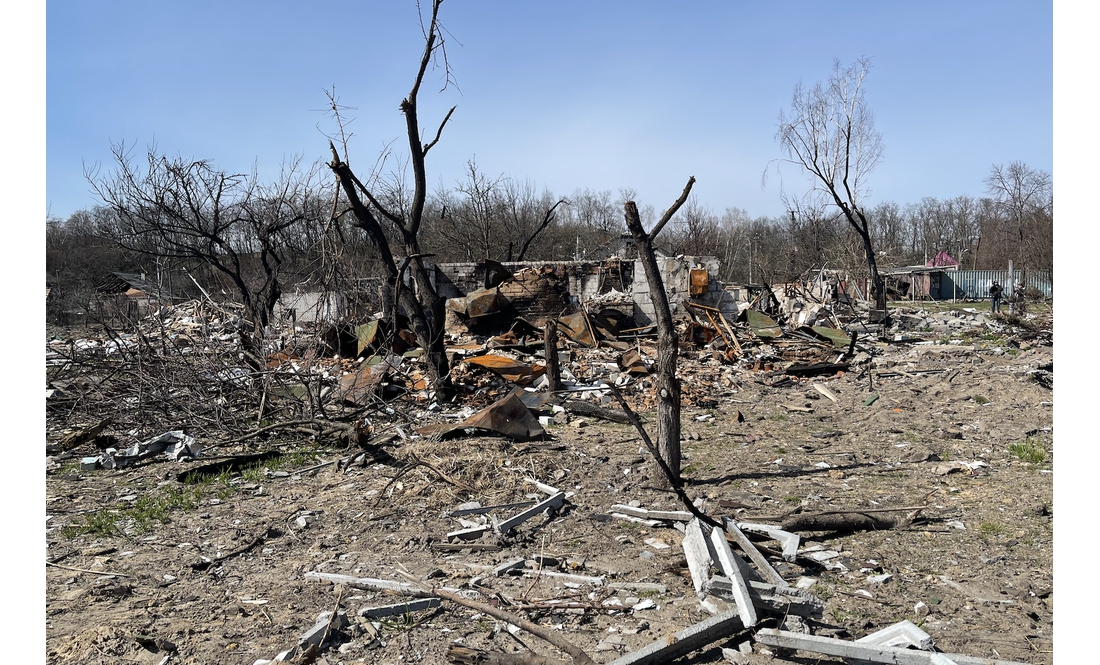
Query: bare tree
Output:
(422,304)
(668,386)
(697,230)
(831,135)
(182,209)
(1024,199)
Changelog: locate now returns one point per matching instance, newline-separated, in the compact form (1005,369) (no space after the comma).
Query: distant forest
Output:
(295,225)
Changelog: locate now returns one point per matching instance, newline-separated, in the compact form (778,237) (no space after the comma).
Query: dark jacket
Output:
(995,291)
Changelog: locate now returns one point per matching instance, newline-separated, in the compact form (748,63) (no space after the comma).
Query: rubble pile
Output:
(543,518)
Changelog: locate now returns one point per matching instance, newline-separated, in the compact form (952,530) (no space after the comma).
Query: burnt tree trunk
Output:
(550,348)
(428,339)
(668,343)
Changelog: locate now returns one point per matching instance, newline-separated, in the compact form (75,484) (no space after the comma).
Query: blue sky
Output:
(568,94)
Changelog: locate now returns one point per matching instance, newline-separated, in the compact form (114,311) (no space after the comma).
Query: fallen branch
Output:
(675,482)
(558,641)
(467,656)
(82,570)
(205,564)
(593,411)
(867,520)
(419,462)
(83,435)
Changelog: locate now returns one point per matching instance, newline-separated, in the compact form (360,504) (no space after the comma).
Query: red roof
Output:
(941,260)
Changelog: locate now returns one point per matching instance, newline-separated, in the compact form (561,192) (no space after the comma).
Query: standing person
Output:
(995,293)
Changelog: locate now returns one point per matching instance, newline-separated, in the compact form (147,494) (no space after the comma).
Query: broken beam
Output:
(684,642)
(769,573)
(554,502)
(854,650)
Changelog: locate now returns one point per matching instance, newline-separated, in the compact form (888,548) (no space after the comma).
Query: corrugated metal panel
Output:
(976,283)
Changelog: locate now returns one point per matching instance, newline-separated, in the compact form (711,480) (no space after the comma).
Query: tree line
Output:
(268,235)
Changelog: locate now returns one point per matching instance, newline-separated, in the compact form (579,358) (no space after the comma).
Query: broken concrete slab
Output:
(325,626)
(400,609)
(472,533)
(876,654)
(788,540)
(553,503)
(772,599)
(366,583)
(543,487)
(666,515)
(528,572)
(902,634)
(685,641)
(514,564)
(637,520)
(481,510)
(765,568)
(640,587)
(698,555)
(738,587)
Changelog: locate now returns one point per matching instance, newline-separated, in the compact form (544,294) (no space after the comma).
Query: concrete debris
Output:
(867,652)
(738,583)
(553,503)
(326,626)
(685,641)
(664,515)
(399,609)
(788,540)
(762,565)
(903,634)
(771,599)
(698,555)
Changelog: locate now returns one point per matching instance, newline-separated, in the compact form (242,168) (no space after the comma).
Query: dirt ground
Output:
(963,431)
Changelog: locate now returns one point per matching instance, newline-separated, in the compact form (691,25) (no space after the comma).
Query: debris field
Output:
(882,496)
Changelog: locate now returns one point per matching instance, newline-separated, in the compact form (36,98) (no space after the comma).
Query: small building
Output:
(125,297)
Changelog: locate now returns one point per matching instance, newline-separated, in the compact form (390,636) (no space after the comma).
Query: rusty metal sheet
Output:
(576,327)
(631,362)
(700,280)
(508,417)
(839,338)
(366,335)
(508,368)
(536,402)
(495,273)
(762,325)
(507,339)
(815,369)
(484,302)
(359,387)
